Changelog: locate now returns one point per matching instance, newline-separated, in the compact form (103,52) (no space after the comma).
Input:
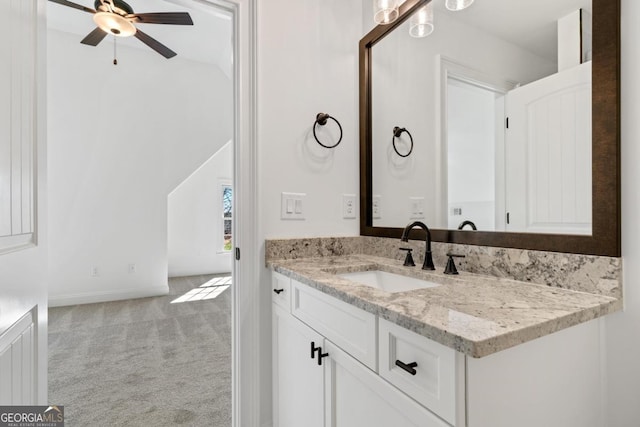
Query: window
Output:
(227,218)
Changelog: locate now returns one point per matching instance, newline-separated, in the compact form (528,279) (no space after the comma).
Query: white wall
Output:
(195,219)
(622,329)
(121,138)
(307,63)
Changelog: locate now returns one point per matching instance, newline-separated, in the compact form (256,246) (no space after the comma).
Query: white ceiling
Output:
(531,24)
(208,40)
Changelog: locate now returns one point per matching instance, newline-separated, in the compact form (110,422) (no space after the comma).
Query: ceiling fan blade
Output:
(94,37)
(73,5)
(155,45)
(172,18)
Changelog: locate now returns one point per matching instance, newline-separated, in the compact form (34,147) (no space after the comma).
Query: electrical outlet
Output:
(132,268)
(349,206)
(376,207)
(94,271)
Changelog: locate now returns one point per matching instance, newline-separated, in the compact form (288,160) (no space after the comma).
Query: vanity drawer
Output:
(281,290)
(433,381)
(350,328)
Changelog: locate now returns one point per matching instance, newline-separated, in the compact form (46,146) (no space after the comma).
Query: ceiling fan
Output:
(118,18)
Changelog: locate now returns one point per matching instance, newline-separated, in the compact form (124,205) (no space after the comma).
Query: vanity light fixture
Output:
(456,5)
(385,11)
(421,22)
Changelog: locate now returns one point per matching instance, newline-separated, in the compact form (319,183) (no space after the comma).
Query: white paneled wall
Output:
(17,122)
(17,363)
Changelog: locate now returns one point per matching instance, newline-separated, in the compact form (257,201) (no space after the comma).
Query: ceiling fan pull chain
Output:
(115,52)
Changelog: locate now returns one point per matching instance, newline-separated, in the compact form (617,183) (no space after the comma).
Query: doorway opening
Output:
(475,143)
(472,147)
(109,183)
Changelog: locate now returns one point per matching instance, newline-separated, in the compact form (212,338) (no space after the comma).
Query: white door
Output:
(548,154)
(474,141)
(357,397)
(23,291)
(298,382)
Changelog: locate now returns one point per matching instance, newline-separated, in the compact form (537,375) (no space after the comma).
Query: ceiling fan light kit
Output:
(114,24)
(118,18)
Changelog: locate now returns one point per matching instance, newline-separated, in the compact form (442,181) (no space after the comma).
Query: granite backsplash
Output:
(585,273)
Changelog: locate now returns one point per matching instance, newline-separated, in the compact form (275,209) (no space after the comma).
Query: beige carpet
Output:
(144,362)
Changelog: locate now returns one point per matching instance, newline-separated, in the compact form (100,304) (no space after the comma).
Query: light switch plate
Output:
(416,207)
(292,206)
(377,207)
(349,206)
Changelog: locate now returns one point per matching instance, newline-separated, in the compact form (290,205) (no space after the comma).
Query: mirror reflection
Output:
(494,104)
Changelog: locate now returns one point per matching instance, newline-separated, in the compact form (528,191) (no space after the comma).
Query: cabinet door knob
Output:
(410,367)
(278,291)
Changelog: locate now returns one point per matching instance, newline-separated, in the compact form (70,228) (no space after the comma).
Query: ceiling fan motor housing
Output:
(116,6)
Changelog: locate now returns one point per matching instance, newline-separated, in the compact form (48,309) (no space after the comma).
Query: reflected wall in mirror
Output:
(550,181)
(528,61)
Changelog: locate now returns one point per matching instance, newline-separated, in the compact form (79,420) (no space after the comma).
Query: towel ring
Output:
(465,223)
(397,132)
(321,119)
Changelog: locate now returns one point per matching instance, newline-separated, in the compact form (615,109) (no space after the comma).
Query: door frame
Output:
(245,291)
(448,68)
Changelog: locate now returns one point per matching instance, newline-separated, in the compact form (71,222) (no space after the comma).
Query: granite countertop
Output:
(475,314)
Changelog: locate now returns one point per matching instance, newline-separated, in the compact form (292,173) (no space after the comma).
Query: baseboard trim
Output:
(95,297)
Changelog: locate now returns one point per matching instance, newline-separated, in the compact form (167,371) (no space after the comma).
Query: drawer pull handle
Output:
(410,368)
(313,349)
(278,291)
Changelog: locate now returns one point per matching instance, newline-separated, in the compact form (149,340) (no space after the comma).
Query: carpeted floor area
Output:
(145,362)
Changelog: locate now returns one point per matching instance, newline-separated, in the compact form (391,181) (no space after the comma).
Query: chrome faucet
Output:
(428,259)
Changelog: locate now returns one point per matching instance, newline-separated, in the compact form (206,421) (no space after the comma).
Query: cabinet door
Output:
(356,397)
(298,381)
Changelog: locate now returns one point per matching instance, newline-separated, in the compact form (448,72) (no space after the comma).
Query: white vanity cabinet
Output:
(553,381)
(340,390)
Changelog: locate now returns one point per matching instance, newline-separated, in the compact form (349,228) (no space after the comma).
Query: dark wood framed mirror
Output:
(604,238)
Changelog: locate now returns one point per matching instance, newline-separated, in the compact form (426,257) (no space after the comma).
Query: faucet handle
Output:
(408,261)
(451,266)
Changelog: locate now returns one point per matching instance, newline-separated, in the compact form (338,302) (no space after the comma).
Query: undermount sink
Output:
(388,282)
